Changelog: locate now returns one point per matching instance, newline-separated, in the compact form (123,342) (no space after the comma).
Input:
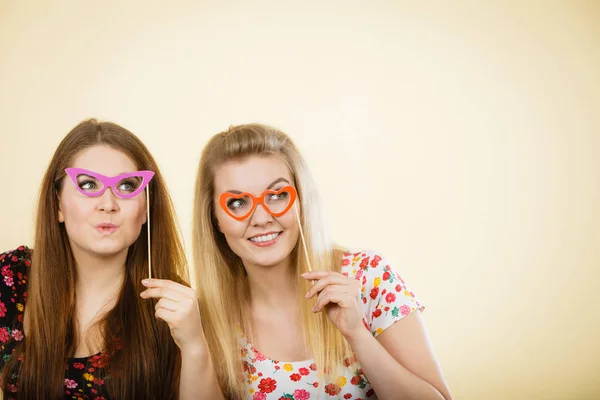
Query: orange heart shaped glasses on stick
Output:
(240,206)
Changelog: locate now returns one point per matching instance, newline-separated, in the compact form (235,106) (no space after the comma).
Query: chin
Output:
(270,259)
(108,248)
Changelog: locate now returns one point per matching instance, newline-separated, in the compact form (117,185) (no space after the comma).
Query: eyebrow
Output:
(98,173)
(275,182)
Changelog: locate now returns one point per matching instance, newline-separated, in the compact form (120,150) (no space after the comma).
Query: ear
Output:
(145,219)
(61,217)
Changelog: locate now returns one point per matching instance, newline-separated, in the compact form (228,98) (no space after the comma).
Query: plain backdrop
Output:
(460,139)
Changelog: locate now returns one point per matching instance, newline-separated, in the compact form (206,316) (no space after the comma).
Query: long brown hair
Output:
(144,360)
(221,279)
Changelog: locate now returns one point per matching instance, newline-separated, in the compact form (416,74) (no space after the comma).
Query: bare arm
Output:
(400,362)
(198,379)
(178,307)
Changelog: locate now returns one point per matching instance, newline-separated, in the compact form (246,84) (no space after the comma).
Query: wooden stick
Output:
(148,222)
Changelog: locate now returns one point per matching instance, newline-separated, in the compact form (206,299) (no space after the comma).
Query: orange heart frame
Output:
(257,200)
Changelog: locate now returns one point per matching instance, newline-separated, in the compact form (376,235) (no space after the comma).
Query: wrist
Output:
(195,351)
(360,334)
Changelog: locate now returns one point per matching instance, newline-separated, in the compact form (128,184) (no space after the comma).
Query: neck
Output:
(273,286)
(99,277)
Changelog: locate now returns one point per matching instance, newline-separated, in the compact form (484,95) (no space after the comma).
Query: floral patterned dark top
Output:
(84,376)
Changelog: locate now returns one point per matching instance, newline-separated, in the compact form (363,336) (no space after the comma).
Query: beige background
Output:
(460,139)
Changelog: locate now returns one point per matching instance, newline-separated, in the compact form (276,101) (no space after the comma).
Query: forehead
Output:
(104,160)
(252,174)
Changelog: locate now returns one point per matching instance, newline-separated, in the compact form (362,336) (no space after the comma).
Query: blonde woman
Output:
(285,314)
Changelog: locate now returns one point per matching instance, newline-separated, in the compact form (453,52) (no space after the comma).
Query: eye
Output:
(236,203)
(279,196)
(128,185)
(87,184)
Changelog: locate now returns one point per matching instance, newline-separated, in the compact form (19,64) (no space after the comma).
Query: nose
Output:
(108,201)
(261,216)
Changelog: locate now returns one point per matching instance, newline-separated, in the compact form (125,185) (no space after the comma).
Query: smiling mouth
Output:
(264,238)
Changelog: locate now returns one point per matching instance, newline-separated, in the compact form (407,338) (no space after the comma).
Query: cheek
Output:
(229,226)
(75,211)
(135,211)
(288,221)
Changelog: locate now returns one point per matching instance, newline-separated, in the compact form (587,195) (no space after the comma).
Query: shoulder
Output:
(385,295)
(359,263)
(14,271)
(15,259)
(14,268)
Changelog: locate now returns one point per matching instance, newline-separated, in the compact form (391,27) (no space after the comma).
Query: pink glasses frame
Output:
(110,181)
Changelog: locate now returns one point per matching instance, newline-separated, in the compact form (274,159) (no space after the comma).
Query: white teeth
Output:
(264,238)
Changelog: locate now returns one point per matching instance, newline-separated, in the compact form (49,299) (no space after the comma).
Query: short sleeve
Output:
(385,296)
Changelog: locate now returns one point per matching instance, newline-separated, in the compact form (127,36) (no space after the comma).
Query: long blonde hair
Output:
(220,274)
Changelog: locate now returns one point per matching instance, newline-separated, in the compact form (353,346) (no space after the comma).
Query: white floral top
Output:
(385,300)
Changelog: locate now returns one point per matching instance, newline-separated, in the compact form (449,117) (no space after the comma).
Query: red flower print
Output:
(355,380)
(390,297)
(304,371)
(78,365)
(2,309)
(374,292)
(313,366)
(375,261)
(259,396)
(277,368)
(4,334)
(100,398)
(15,258)
(345,262)
(398,288)
(377,313)
(370,393)
(17,335)
(404,309)
(249,368)
(98,381)
(260,374)
(386,275)
(70,383)
(386,309)
(332,389)
(99,361)
(347,396)
(364,299)
(364,263)
(301,394)
(267,385)
(384,291)
(316,384)
(27,263)
(295,377)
